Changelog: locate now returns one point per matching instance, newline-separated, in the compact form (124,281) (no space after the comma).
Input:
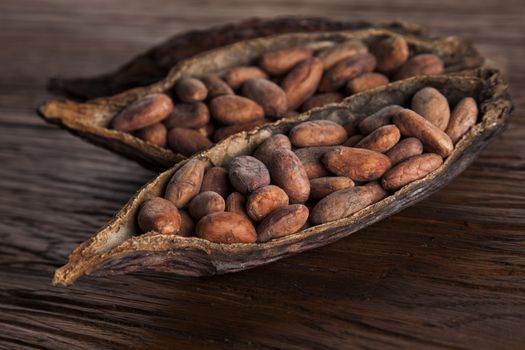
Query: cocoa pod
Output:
(187,226)
(356,163)
(317,133)
(323,186)
(302,81)
(235,203)
(226,228)
(144,112)
(264,150)
(266,94)
(190,90)
(380,118)
(410,170)
(185,183)
(264,200)
(216,86)
(463,117)
(310,158)
(281,61)
(156,134)
(391,53)
(433,106)
(236,76)
(321,100)
(231,109)
(159,215)
(365,82)
(187,141)
(422,64)
(283,222)
(225,131)
(381,140)
(337,76)
(216,179)
(345,50)
(248,174)
(405,149)
(288,172)
(206,203)
(188,115)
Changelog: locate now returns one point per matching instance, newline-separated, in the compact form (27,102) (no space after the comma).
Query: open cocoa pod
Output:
(92,120)
(154,64)
(120,247)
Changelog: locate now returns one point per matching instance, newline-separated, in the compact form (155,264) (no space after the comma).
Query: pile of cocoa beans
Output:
(320,172)
(279,84)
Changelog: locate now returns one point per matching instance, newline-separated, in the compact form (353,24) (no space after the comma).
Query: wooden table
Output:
(446,273)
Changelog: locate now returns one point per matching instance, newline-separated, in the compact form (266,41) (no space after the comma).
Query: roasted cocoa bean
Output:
(411,170)
(264,200)
(248,174)
(206,203)
(147,111)
(405,149)
(288,172)
(159,215)
(463,117)
(185,183)
(317,133)
(337,76)
(356,163)
(226,228)
(281,61)
(231,109)
(433,106)
(302,81)
(216,179)
(268,95)
(381,140)
(323,186)
(283,222)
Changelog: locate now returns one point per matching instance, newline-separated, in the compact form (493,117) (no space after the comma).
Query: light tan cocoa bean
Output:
(412,124)
(236,203)
(391,53)
(365,82)
(225,131)
(216,180)
(185,183)
(268,95)
(264,151)
(311,157)
(247,174)
(345,50)
(216,86)
(282,222)
(188,115)
(159,215)
(317,133)
(187,141)
(144,112)
(337,76)
(410,170)
(232,109)
(236,76)
(190,90)
(353,140)
(433,106)
(226,228)
(281,61)
(405,149)
(206,203)
(155,134)
(187,226)
(321,100)
(302,81)
(356,163)
(288,172)
(264,200)
(323,186)
(381,140)
(343,203)
(380,118)
(422,64)
(464,116)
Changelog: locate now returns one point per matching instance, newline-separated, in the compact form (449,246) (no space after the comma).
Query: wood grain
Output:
(446,273)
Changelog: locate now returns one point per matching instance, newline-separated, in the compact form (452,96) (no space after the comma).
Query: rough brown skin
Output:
(317,133)
(380,118)
(232,109)
(412,124)
(190,90)
(365,82)
(264,200)
(216,86)
(155,134)
(247,174)
(463,117)
(225,131)
(353,140)
(311,157)
(391,53)
(323,186)
(356,163)
(345,202)
(159,215)
(422,64)
(410,170)
(381,140)
(216,179)
(302,81)
(187,226)
(283,222)
(226,228)
(348,49)
(188,115)
(144,112)
(281,61)
(288,172)
(236,203)
(185,183)
(433,106)
(206,203)
(405,149)
(187,141)
(321,100)
(236,76)
(337,76)
(268,95)
(264,151)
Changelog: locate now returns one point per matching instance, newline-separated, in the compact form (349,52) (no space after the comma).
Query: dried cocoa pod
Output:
(463,117)
(412,169)
(235,77)
(264,200)
(356,163)
(266,94)
(185,183)
(302,81)
(216,179)
(206,203)
(230,109)
(187,226)
(288,172)
(188,115)
(317,133)
(225,131)
(433,106)
(248,174)
(311,157)
(405,149)
(380,118)
(187,141)
(343,51)
(235,203)
(160,215)
(321,100)
(155,134)
(353,140)
(412,124)
(190,90)
(283,222)
(216,86)
(348,69)
(144,112)
(281,61)
(264,150)
(323,186)
(365,82)
(226,228)
(381,140)
(422,64)
(391,53)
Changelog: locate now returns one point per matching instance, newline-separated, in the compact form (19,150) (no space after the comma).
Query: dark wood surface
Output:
(446,273)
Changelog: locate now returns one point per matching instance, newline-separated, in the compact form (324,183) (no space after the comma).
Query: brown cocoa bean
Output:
(155,134)
(290,114)
(266,94)
(353,140)
(236,203)
(281,61)
(342,51)
(185,183)
(144,112)
(188,115)
(317,133)
(187,226)
(288,172)
(216,86)
(248,174)
(282,222)
(356,163)
(159,215)
(311,157)
(264,150)
(433,106)
(190,90)
(226,228)
(216,180)
(411,170)
(381,139)
(464,116)
(207,130)
(206,203)
(337,76)
(380,118)
(264,200)
(391,53)
(187,141)
(236,76)
(323,186)
(225,131)
(405,149)
(232,109)
(422,64)
(321,100)
(365,82)
(302,81)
